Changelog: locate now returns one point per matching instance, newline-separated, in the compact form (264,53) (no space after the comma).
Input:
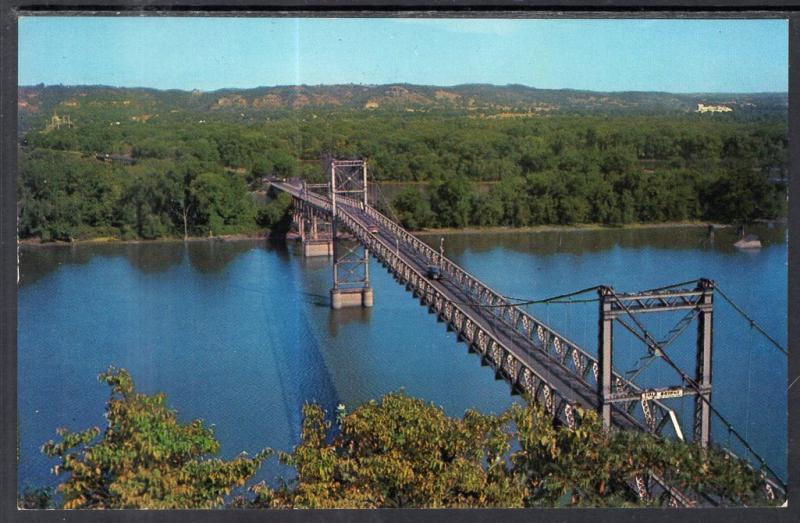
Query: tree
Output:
(262,167)
(144,198)
(589,466)
(404,452)
(284,164)
(413,209)
(145,458)
(451,200)
(399,452)
(66,192)
(275,215)
(743,196)
(487,209)
(222,203)
(182,201)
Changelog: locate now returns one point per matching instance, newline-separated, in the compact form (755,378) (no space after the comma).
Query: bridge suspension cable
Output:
(553,299)
(753,323)
(386,203)
(523,301)
(668,287)
(657,349)
(560,299)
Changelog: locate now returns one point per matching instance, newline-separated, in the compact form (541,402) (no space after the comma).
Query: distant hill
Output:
(38,103)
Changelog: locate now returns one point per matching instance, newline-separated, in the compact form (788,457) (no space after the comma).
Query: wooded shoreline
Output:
(265,235)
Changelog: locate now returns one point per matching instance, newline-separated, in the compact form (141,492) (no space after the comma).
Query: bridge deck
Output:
(565,382)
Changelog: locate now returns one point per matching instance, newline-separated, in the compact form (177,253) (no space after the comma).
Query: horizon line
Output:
(190,90)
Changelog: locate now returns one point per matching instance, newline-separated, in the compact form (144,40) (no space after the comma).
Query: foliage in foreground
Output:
(36,498)
(403,452)
(146,458)
(398,452)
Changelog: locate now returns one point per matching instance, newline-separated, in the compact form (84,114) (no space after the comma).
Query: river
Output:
(240,334)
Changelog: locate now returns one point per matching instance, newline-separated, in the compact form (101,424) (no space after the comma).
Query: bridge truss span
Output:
(533,358)
(533,334)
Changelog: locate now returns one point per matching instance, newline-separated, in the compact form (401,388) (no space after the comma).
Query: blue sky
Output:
(212,53)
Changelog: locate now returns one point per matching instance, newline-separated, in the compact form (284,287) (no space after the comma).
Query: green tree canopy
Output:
(451,201)
(405,452)
(412,209)
(145,457)
(399,452)
(560,169)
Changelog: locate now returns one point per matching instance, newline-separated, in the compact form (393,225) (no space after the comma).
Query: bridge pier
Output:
(313,248)
(341,298)
(313,241)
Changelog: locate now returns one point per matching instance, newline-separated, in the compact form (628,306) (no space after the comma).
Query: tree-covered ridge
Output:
(397,452)
(150,178)
(38,102)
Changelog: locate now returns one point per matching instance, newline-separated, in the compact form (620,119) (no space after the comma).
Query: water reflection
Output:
(154,259)
(340,317)
(213,256)
(315,262)
(316,299)
(279,247)
(147,257)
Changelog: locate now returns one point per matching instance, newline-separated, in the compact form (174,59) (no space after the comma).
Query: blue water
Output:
(240,334)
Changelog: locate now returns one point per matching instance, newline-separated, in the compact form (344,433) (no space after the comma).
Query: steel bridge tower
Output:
(348,187)
(623,309)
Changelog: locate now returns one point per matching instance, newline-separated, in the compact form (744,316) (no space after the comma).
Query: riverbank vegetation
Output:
(195,174)
(397,452)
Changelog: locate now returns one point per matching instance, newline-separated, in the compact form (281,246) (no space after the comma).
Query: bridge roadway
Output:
(564,382)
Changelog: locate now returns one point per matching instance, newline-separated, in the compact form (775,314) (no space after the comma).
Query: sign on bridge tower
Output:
(348,188)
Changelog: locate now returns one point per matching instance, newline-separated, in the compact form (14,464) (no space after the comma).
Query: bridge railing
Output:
(654,413)
(523,378)
(650,415)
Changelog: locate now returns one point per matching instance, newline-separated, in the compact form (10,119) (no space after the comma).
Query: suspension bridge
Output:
(336,219)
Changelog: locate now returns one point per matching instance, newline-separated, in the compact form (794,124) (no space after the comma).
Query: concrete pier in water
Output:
(341,298)
(317,248)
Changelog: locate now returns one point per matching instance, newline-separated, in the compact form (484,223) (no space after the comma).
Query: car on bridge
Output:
(434,272)
(374,229)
